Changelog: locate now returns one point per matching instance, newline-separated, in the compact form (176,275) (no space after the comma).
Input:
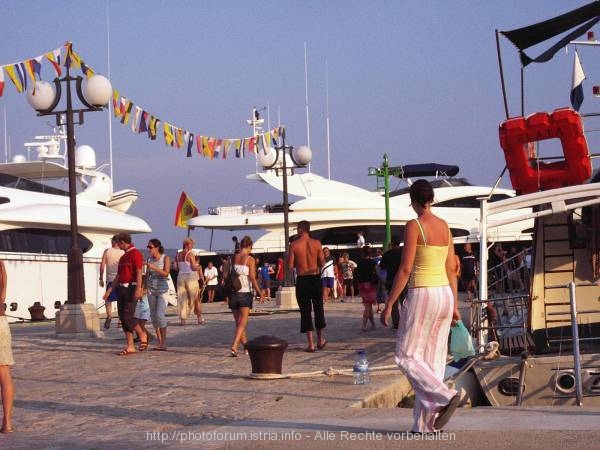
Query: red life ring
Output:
(526,174)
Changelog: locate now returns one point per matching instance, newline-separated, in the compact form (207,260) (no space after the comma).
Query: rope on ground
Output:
(329,372)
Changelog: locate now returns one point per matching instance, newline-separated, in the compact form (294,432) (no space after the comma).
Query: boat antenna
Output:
(110,106)
(327,119)
(306,99)
(501,67)
(256,123)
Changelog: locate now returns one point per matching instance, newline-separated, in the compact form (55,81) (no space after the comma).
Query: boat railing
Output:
(242,209)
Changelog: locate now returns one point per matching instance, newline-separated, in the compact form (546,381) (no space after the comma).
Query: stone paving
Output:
(77,393)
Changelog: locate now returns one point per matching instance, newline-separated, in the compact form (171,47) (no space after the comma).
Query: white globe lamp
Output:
(41,95)
(302,155)
(97,90)
(268,158)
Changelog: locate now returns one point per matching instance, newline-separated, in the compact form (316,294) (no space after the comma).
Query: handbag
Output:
(461,343)
(232,283)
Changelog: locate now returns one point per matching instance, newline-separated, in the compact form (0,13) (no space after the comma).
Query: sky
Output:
(415,79)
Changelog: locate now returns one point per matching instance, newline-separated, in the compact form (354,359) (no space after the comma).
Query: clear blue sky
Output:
(416,79)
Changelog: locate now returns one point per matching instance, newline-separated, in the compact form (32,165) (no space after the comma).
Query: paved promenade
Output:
(79,394)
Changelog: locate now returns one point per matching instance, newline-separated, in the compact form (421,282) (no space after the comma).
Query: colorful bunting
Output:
(142,121)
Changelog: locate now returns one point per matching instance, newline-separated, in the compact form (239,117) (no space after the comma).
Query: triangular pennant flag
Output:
(577,84)
(179,138)
(72,60)
(126,111)
(226,144)
(29,70)
(168,134)
(54,58)
(251,144)
(199,140)
(136,119)
(116,103)
(1,80)
(143,127)
(20,69)
(238,145)
(205,149)
(190,143)
(10,70)
(218,144)
(87,70)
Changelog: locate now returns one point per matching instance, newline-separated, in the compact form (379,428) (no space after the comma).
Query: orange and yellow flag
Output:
(186,209)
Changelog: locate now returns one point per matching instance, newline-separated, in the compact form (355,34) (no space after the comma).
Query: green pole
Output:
(388,226)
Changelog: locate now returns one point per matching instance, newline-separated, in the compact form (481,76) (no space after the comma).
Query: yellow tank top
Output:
(429,269)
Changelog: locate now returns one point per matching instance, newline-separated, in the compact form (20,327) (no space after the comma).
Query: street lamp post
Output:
(276,159)
(384,172)
(94,95)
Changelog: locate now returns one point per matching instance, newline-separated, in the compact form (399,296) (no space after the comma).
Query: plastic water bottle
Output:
(361,368)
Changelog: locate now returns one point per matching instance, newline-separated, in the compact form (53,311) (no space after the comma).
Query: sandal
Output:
(446,412)
(143,346)
(233,353)
(126,352)
(107,323)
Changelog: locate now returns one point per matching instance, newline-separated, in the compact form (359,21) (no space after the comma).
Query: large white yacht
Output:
(338,211)
(35,223)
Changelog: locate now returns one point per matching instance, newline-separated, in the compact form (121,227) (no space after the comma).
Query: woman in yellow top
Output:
(429,266)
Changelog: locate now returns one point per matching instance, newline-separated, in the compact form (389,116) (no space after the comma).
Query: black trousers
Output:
(310,298)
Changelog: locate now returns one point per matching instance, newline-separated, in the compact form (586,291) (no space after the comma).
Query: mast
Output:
(327,120)
(109,109)
(306,99)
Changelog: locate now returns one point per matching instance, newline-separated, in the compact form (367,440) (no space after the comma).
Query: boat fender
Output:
(528,175)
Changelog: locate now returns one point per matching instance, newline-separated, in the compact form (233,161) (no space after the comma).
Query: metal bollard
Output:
(266,354)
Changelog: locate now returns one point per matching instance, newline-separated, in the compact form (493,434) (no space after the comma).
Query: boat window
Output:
(24,184)
(468,202)
(437,183)
(4,200)
(39,240)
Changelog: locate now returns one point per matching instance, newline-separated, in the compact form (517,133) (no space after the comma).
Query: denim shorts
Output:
(241,300)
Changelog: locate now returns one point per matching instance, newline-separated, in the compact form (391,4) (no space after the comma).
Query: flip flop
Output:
(143,346)
(7,430)
(159,349)
(107,323)
(322,346)
(126,352)
(309,350)
(446,412)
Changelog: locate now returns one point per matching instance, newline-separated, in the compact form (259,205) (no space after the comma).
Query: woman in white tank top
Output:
(240,302)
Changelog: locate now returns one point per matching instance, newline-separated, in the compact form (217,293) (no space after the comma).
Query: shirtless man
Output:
(306,256)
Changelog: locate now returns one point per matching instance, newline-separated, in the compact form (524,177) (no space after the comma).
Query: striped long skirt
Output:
(422,348)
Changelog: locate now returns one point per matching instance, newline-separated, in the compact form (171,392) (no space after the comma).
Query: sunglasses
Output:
(150,247)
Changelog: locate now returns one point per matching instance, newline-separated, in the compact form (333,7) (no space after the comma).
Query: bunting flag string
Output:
(137,118)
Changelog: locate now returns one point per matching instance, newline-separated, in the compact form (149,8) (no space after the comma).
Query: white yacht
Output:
(337,211)
(35,224)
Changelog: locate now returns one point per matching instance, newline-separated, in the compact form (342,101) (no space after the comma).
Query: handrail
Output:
(575,336)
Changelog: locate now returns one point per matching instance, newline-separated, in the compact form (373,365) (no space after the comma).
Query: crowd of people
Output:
(420,280)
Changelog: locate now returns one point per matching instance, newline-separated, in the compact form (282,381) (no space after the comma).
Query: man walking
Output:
(128,284)
(110,263)
(306,257)
(390,262)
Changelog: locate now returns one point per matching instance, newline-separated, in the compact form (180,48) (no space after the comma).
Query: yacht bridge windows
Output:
(40,241)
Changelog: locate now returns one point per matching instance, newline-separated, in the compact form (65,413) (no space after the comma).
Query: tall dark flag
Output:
(577,86)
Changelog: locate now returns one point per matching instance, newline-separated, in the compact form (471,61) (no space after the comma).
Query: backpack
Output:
(232,283)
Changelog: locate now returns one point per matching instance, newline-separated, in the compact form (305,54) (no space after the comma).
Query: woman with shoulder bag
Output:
(240,302)
(157,273)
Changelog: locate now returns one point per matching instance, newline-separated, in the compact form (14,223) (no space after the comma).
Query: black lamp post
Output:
(94,95)
(275,158)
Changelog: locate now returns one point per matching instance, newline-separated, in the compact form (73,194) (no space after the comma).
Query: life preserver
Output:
(528,175)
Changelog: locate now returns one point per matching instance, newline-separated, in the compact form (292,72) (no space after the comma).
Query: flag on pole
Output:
(186,209)
(577,89)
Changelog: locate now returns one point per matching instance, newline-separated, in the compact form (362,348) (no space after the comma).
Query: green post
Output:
(388,226)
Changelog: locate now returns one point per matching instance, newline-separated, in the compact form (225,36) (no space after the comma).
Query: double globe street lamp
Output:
(94,94)
(283,159)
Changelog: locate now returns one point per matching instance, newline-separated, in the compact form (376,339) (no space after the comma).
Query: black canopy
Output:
(583,18)
(424,170)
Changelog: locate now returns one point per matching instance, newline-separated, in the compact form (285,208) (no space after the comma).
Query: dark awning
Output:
(424,170)
(583,18)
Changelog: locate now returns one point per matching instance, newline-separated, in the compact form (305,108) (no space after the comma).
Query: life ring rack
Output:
(527,174)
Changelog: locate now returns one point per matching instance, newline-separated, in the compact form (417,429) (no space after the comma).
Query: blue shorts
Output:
(241,300)
(327,282)
(112,297)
